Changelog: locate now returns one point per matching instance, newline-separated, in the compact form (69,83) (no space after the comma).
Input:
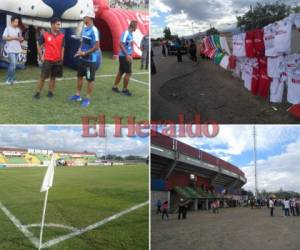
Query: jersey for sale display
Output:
(283,36)
(238,43)
(249,44)
(269,37)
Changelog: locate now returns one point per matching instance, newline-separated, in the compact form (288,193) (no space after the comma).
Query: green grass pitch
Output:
(17,105)
(81,196)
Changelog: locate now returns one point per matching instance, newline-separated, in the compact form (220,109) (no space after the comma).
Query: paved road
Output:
(231,229)
(207,89)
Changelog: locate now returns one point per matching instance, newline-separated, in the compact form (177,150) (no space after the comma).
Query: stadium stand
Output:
(32,159)
(2,159)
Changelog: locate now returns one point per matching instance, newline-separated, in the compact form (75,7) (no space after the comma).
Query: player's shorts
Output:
(51,69)
(87,70)
(125,66)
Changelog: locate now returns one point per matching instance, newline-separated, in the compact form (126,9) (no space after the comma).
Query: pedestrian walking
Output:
(158,206)
(165,207)
(271,206)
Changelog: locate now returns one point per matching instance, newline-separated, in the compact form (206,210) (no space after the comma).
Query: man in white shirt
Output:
(271,206)
(286,204)
(13,37)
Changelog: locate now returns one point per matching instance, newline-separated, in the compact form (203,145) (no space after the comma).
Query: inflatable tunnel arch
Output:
(112,22)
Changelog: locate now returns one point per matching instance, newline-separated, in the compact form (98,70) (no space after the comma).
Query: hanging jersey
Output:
(276,90)
(249,44)
(264,86)
(238,43)
(224,45)
(293,78)
(283,36)
(262,64)
(255,81)
(276,66)
(269,37)
(225,62)
(259,45)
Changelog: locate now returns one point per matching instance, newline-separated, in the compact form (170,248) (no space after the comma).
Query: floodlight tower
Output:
(254,156)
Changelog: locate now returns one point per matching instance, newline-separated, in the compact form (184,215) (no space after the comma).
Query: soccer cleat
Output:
(126,92)
(115,89)
(76,98)
(86,102)
(37,96)
(8,82)
(50,94)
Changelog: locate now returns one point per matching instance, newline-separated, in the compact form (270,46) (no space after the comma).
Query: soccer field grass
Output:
(81,196)
(17,105)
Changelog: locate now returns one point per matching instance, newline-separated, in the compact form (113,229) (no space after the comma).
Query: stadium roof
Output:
(168,154)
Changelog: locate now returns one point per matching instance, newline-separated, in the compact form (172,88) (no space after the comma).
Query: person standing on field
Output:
(125,59)
(52,59)
(13,38)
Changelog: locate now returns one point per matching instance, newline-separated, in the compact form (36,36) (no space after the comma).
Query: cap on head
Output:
(89,13)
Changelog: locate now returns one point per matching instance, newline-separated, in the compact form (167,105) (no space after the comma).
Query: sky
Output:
(69,138)
(185,17)
(278,153)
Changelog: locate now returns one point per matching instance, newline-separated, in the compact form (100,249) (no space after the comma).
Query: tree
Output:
(262,15)
(167,33)
(212,31)
(296,9)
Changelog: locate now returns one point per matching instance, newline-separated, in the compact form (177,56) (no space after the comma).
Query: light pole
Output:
(254,156)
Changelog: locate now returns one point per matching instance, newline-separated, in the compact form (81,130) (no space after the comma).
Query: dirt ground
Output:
(231,229)
(209,90)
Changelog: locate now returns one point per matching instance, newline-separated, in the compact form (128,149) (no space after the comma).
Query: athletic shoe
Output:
(8,82)
(86,102)
(50,94)
(76,98)
(37,95)
(115,89)
(126,92)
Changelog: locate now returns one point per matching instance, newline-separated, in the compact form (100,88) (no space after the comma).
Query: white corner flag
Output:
(46,185)
(48,178)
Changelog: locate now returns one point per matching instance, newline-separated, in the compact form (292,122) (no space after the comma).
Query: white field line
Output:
(73,78)
(52,225)
(76,232)
(138,81)
(18,224)
(91,227)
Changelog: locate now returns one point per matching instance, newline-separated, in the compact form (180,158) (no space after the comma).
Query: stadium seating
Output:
(15,160)
(2,159)
(42,157)
(32,159)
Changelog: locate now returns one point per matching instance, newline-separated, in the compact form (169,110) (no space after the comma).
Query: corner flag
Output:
(48,178)
(46,185)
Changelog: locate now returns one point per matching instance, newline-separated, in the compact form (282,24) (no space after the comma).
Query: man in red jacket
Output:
(53,57)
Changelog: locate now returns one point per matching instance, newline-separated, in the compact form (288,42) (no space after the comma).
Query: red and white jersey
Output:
(264,86)
(283,37)
(276,90)
(249,44)
(238,43)
(269,37)
(293,78)
(276,66)
(259,45)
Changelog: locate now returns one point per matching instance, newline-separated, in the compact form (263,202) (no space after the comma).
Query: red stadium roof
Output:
(173,144)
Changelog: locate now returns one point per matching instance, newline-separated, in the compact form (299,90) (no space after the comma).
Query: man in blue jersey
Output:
(125,59)
(88,55)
